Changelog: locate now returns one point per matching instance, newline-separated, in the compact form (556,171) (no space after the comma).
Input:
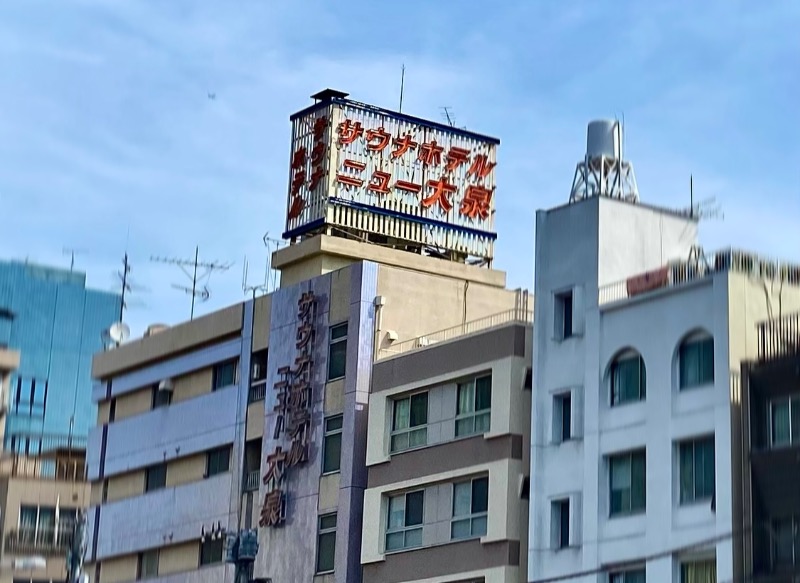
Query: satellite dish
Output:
(119,332)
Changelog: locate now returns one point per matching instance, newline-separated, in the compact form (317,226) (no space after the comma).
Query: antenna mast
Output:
(402,84)
(208,266)
(126,286)
(72,253)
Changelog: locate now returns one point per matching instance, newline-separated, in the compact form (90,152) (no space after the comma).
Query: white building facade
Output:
(636,448)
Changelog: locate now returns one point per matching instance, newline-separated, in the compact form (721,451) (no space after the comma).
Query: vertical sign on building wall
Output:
(293,419)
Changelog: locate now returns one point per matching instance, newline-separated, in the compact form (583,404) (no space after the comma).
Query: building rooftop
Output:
(701,265)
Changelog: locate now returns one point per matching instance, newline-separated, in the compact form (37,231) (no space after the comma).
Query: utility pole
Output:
(208,266)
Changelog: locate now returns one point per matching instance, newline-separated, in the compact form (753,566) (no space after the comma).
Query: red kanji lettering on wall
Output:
(298,180)
(402,145)
(481,167)
(317,175)
(320,124)
(380,182)
(356,167)
(441,194)
(430,153)
(408,186)
(299,158)
(317,153)
(297,206)
(377,140)
(455,158)
(272,512)
(476,202)
(275,466)
(349,131)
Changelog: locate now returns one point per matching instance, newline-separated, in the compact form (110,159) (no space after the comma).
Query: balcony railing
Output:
(779,337)
(258,390)
(48,542)
(251,481)
(677,273)
(521,315)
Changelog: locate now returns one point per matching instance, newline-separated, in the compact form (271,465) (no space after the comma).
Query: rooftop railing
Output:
(521,315)
(44,541)
(779,337)
(678,273)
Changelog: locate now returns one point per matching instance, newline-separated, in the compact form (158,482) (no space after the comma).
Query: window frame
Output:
(330,434)
(622,576)
(421,429)
(215,374)
(560,509)
(612,376)
(204,546)
(406,528)
(685,498)
(793,437)
(479,516)
(473,414)
(631,510)
(227,450)
(335,342)
(564,324)
(562,433)
(140,575)
(700,339)
(326,532)
(147,474)
(686,563)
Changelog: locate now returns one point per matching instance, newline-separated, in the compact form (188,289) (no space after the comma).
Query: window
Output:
(627,483)
(112,411)
(786,542)
(696,362)
(559,516)
(696,470)
(148,564)
(474,406)
(631,576)
(470,504)
(699,572)
(404,524)
(258,366)
(785,421)
(155,477)
(563,315)
(224,375)
(37,524)
(337,351)
(628,379)
(211,551)
(409,420)
(562,417)
(218,461)
(161,398)
(326,543)
(332,445)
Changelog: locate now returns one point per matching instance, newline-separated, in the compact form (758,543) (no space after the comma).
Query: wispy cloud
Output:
(109,129)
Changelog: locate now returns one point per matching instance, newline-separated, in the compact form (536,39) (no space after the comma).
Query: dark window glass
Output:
(326,543)
(696,363)
(161,398)
(155,477)
(218,461)
(211,552)
(628,380)
(224,375)
(563,527)
(696,470)
(337,351)
(419,409)
(566,417)
(414,503)
(627,478)
(567,317)
(148,564)
(332,445)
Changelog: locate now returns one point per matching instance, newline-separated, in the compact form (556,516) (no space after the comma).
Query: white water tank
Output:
(602,139)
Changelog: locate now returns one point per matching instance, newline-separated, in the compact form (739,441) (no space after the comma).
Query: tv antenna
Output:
(707,208)
(72,253)
(402,85)
(449,117)
(184,264)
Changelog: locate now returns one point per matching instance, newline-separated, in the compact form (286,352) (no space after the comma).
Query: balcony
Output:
(678,273)
(257,392)
(521,315)
(251,481)
(44,456)
(44,542)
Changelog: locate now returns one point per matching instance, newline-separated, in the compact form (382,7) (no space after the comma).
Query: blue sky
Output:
(108,138)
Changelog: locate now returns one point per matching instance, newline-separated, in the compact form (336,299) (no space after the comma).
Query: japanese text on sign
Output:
(300,157)
(293,415)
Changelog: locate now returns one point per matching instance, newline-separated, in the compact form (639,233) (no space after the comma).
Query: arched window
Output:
(696,361)
(627,377)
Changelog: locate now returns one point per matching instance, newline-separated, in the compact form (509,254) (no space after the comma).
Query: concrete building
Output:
(447,458)
(56,324)
(39,498)
(639,337)
(770,407)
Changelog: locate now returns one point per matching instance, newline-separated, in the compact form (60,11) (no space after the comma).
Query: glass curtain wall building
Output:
(56,324)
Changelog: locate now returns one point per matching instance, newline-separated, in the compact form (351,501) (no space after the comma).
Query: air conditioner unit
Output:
(422,341)
(165,385)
